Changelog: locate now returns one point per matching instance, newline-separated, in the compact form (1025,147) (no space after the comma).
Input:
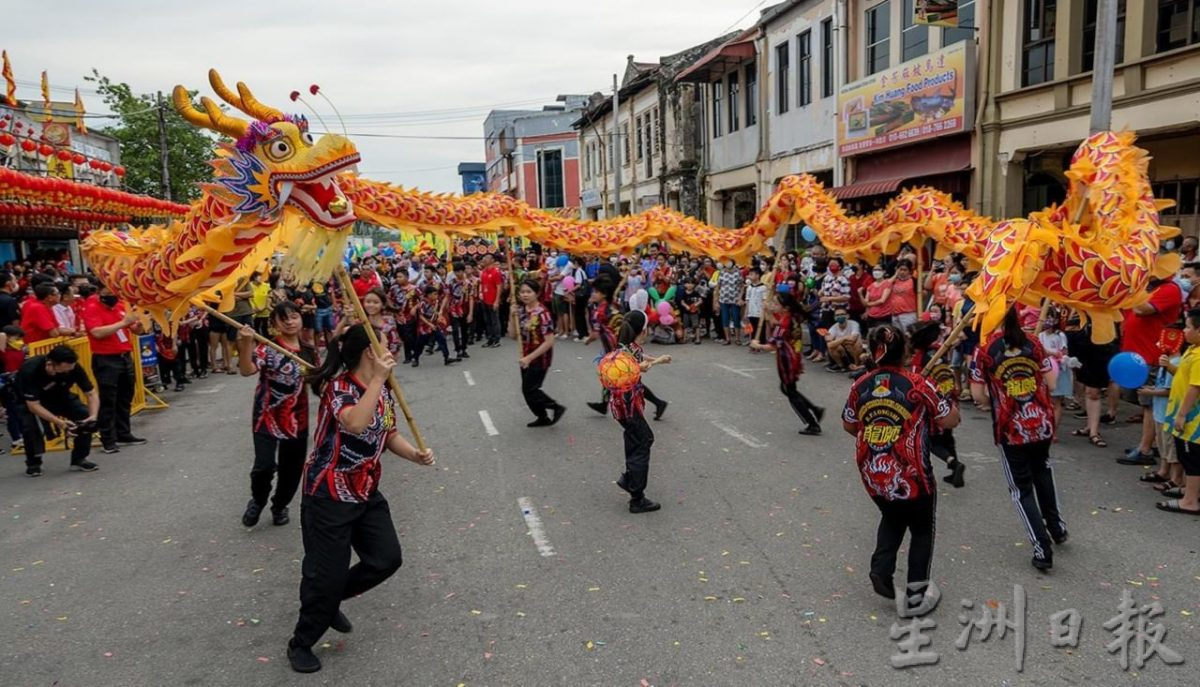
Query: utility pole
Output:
(618,151)
(162,148)
(1102,67)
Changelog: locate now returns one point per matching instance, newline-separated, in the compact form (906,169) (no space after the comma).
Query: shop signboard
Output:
(918,100)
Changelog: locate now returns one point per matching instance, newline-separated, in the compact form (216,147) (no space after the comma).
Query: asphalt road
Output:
(753,573)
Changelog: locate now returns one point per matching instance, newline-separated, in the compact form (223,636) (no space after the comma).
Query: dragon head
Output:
(276,167)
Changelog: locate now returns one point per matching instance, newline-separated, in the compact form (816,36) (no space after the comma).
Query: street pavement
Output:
(753,573)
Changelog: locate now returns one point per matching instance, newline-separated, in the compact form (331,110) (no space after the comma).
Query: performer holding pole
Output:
(535,332)
(282,350)
(627,408)
(788,316)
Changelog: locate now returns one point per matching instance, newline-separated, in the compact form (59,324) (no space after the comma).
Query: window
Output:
(628,134)
(587,161)
(1186,195)
(733,102)
(640,146)
(1090,12)
(879,37)
(827,58)
(804,68)
(966,25)
(718,90)
(1178,23)
(750,78)
(1038,49)
(550,179)
(657,132)
(782,67)
(612,146)
(914,38)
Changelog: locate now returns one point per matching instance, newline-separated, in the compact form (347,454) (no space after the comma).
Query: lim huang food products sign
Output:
(914,101)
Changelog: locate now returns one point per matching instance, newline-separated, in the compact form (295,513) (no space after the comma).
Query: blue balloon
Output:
(1128,370)
(783,288)
(562,261)
(808,234)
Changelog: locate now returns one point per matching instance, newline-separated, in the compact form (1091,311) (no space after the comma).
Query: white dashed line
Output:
(732,431)
(470,379)
(534,523)
(212,390)
(488,424)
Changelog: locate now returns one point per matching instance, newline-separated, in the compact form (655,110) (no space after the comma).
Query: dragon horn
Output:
(219,122)
(252,107)
(226,93)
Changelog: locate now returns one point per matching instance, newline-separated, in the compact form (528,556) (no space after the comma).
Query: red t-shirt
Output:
(489,284)
(96,314)
(1141,332)
(37,321)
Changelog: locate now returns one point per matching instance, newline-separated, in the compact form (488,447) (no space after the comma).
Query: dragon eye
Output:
(279,149)
(308,138)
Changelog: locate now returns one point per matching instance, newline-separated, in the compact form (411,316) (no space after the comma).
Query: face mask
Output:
(839,320)
(109,301)
(1185,284)
(1169,245)
(835,268)
(878,274)
(955,278)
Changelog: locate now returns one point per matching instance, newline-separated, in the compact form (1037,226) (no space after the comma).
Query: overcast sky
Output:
(435,68)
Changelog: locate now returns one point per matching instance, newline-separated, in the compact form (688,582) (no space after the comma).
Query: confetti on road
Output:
(520,614)
(819,661)
(108,654)
(475,612)
(589,645)
(738,600)
(263,659)
(61,617)
(593,589)
(167,540)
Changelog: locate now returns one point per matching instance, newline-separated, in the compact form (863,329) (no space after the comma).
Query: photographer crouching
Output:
(45,384)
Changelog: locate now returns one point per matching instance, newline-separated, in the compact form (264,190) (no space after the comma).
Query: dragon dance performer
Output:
(1018,376)
(891,412)
(925,338)
(627,409)
(537,353)
(280,415)
(788,316)
(600,317)
(342,508)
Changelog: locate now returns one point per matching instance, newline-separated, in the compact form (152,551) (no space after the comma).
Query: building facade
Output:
(1038,110)
(533,155)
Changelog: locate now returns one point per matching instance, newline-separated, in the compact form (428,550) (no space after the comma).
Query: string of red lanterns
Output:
(30,144)
(27,195)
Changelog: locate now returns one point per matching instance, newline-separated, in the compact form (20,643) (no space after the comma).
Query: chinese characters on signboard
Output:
(923,98)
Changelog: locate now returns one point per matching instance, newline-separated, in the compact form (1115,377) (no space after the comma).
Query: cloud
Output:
(368,57)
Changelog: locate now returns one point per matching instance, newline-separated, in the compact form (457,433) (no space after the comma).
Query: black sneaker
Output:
(559,411)
(1043,563)
(1139,458)
(1061,538)
(110,449)
(643,505)
(463,355)
(820,413)
(660,409)
(955,478)
(178,387)
(541,422)
(416,362)
(598,406)
(253,511)
(84,466)
(342,624)
(883,586)
(131,440)
(302,658)
(279,517)
(451,361)
(33,471)
(812,431)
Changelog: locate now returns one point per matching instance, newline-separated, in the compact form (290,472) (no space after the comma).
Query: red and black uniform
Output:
(342,509)
(405,301)
(457,292)
(941,441)
(279,420)
(1023,415)
(536,327)
(626,407)
(785,336)
(895,411)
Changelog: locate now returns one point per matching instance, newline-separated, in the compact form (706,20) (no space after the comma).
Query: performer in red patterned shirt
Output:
(341,508)
(891,412)
(786,336)
(404,300)
(626,407)
(537,353)
(925,337)
(1019,376)
(280,414)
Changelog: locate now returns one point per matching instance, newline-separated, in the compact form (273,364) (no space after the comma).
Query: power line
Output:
(739,19)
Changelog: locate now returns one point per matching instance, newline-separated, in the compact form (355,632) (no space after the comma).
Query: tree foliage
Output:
(188,148)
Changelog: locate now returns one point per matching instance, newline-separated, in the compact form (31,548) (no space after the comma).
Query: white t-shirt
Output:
(755,293)
(639,300)
(844,329)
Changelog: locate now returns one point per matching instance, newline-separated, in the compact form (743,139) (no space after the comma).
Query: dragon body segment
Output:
(276,188)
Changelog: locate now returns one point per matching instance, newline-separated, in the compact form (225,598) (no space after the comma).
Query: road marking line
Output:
(534,522)
(488,425)
(470,379)
(213,390)
(735,371)
(732,431)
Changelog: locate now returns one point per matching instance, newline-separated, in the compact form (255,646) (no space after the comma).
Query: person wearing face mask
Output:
(1188,279)
(875,297)
(107,323)
(844,341)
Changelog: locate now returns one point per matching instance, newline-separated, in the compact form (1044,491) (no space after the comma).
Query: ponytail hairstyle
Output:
(1014,336)
(343,354)
(631,327)
(887,345)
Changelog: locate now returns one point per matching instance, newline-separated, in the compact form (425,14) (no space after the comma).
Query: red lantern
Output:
(119,171)
(45,150)
(4,123)
(106,167)
(28,146)
(79,159)
(7,139)
(64,155)
(94,164)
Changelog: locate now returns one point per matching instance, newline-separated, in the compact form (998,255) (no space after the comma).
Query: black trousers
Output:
(1031,486)
(408,335)
(289,465)
(492,320)
(943,445)
(458,330)
(580,315)
(919,518)
(800,404)
(114,379)
(35,441)
(197,346)
(330,530)
(531,388)
(638,440)
(433,339)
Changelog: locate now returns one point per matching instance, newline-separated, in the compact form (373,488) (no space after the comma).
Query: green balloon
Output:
(810,282)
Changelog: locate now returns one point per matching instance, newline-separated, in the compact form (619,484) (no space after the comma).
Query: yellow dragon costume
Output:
(276,188)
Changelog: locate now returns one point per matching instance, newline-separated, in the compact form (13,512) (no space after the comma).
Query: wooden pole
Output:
(768,298)
(512,294)
(948,343)
(351,296)
(257,337)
